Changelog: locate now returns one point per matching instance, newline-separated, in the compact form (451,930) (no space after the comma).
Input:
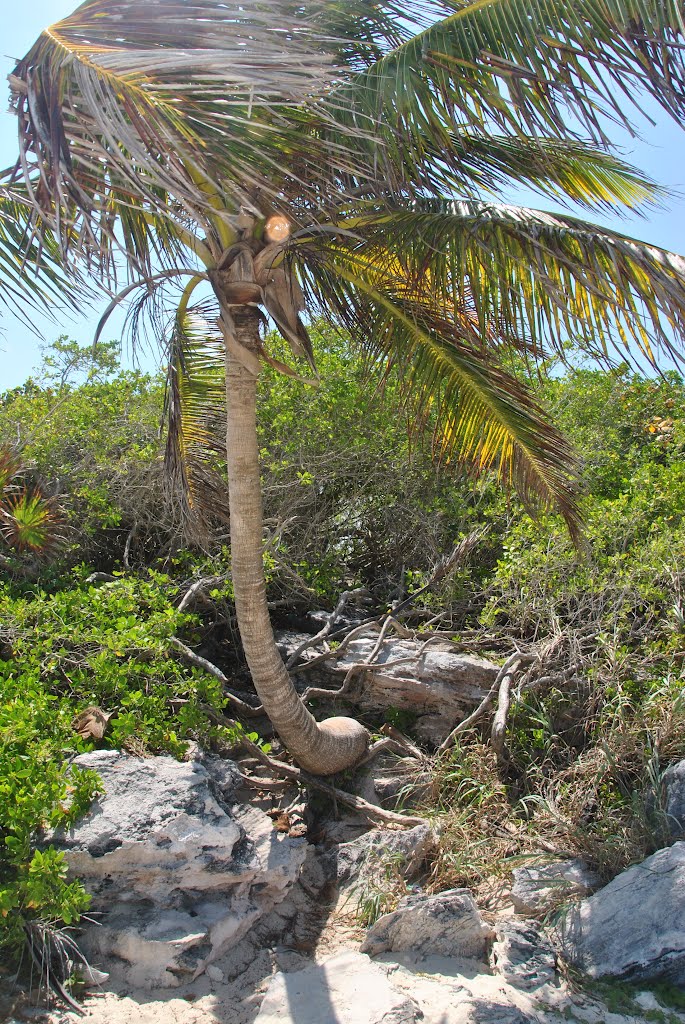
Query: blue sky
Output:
(660,152)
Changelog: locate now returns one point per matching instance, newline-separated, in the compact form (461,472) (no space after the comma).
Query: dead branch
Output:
(459,554)
(324,632)
(403,741)
(127,547)
(499,721)
(358,666)
(255,782)
(377,748)
(239,705)
(197,589)
(100,577)
(511,665)
(369,811)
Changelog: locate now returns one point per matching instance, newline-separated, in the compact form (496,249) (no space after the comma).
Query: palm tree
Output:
(343,159)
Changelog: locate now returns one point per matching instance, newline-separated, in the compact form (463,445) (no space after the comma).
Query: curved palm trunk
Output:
(337,743)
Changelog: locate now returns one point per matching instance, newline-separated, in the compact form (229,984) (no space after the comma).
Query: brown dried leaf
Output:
(91,723)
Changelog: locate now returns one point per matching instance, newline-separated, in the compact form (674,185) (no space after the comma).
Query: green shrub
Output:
(81,646)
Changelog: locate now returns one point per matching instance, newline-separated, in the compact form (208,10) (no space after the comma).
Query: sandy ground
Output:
(448,991)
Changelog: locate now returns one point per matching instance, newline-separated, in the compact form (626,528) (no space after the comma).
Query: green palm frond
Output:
(578,171)
(540,275)
(482,417)
(29,521)
(195,413)
(30,270)
(513,65)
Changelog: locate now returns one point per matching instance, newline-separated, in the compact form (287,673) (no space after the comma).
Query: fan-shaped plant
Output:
(29,521)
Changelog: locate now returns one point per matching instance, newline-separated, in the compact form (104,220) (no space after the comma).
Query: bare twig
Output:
(127,547)
(368,810)
(358,666)
(460,552)
(100,577)
(255,782)
(406,744)
(198,588)
(377,748)
(359,630)
(239,705)
(499,721)
(327,629)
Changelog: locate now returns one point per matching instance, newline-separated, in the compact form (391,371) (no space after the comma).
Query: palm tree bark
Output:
(321,748)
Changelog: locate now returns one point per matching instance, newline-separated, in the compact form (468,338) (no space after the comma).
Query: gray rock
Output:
(673,785)
(177,874)
(633,928)
(366,861)
(438,681)
(536,889)
(497,1013)
(345,989)
(448,924)
(523,955)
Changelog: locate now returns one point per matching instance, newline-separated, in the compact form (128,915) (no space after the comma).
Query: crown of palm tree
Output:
(163,134)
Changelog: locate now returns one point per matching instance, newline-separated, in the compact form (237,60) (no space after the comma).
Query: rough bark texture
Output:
(337,743)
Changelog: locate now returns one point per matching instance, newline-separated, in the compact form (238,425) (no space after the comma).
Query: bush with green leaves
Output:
(82,646)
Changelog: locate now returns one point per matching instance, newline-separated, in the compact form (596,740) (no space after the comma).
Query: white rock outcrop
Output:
(178,872)
(633,928)
(447,924)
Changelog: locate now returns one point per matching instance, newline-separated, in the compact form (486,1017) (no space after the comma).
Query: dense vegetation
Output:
(351,500)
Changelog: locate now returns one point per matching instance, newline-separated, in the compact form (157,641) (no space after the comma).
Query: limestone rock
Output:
(177,873)
(523,955)
(673,783)
(633,927)
(363,863)
(439,681)
(536,889)
(346,989)
(448,924)
(496,1013)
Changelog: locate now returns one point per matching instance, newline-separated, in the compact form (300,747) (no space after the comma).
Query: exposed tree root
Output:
(357,803)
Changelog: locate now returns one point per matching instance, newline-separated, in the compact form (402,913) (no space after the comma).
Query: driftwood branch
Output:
(198,588)
(459,554)
(508,670)
(328,628)
(358,666)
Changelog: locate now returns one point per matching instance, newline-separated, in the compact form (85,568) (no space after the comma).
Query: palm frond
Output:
(195,414)
(513,66)
(483,418)
(569,170)
(545,276)
(128,101)
(29,521)
(30,270)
